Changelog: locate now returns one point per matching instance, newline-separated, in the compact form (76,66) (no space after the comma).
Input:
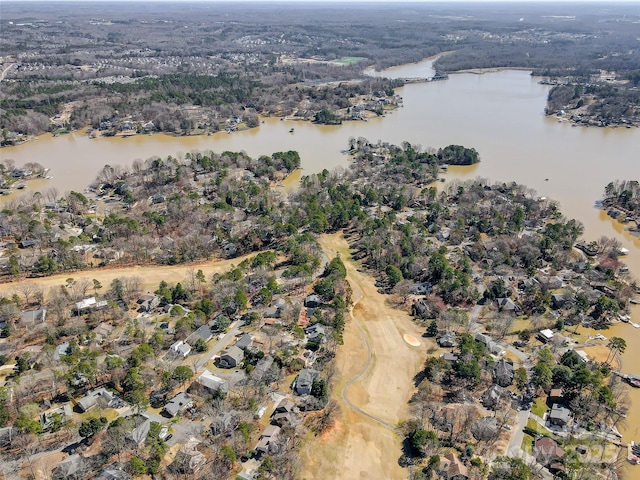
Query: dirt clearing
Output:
(150,275)
(374,382)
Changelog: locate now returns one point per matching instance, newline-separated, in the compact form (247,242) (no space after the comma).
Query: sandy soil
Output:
(364,444)
(151,275)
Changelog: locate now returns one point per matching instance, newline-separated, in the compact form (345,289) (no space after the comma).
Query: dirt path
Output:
(150,275)
(374,382)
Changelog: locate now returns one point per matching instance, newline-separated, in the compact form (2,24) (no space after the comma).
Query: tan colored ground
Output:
(151,275)
(42,467)
(359,447)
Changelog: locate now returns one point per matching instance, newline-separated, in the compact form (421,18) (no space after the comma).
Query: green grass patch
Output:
(527,443)
(539,408)
(541,430)
(348,60)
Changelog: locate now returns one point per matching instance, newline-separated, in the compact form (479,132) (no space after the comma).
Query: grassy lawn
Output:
(533,425)
(348,60)
(539,408)
(527,443)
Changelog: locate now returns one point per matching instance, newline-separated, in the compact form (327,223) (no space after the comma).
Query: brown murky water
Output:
(500,114)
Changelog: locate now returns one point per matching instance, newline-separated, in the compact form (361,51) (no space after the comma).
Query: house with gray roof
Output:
(244,341)
(48,417)
(32,317)
(203,332)
(140,430)
(304,382)
(180,348)
(99,396)
(312,301)
(114,472)
(231,358)
(503,373)
(225,422)
(506,305)
(268,439)
(447,339)
(210,382)
(559,415)
(69,468)
(178,404)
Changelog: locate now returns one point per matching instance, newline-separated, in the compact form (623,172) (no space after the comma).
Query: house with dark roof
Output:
(304,382)
(178,404)
(503,373)
(312,301)
(147,302)
(231,358)
(316,332)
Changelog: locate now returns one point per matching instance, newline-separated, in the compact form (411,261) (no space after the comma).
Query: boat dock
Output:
(633,380)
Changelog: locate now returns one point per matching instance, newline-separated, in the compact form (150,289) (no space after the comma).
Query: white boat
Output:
(623,251)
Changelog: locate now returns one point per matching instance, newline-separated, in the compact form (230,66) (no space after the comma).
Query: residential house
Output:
(312,301)
(225,422)
(503,373)
(98,397)
(28,243)
(316,332)
(505,304)
(147,302)
(304,382)
(493,396)
(447,339)
(547,450)
(285,406)
(180,348)
(189,460)
(244,341)
(178,404)
(268,441)
(114,472)
(69,468)
(60,350)
(559,300)
(262,367)
(421,288)
(288,419)
(491,345)
(84,305)
(556,395)
(453,468)
(559,415)
(450,358)
(274,311)
(545,335)
(32,317)
(211,383)
(203,332)
(62,413)
(140,430)
(231,358)
(102,332)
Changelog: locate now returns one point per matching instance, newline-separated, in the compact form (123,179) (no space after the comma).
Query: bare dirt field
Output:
(150,275)
(374,382)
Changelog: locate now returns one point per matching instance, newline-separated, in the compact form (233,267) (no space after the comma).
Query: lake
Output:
(500,114)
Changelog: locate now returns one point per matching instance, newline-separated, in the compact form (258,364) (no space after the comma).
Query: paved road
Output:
(515,442)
